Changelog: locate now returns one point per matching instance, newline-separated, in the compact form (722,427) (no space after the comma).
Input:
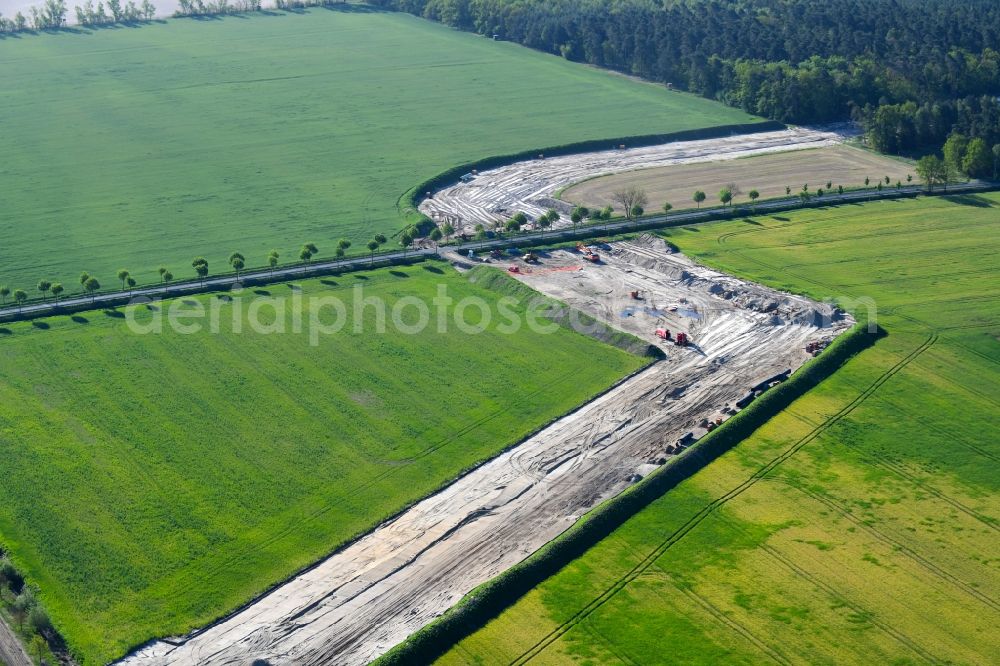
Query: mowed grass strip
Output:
(151,483)
(768,174)
(149,146)
(873,543)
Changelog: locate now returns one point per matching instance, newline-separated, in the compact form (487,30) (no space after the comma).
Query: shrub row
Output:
(489,599)
(411,198)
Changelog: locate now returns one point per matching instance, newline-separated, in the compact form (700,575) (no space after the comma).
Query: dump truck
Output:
(681,340)
(663,333)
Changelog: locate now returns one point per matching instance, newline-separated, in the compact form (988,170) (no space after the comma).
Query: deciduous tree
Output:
(978,161)
(237,261)
(954,152)
(92,286)
(725,196)
(200,266)
(630,198)
(20,296)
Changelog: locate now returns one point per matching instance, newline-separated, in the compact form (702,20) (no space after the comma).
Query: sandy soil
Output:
(768,174)
(529,186)
(363,600)
(11,651)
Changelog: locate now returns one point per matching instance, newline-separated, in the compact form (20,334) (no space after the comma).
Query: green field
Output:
(874,541)
(153,482)
(140,147)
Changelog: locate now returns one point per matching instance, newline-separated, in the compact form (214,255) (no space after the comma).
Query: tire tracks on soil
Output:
(620,584)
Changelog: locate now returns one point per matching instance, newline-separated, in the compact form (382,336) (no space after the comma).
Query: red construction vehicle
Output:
(663,333)
(634,295)
(682,340)
(513,269)
(587,253)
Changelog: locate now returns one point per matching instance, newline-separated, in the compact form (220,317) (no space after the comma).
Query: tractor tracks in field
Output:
(897,546)
(618,585)
(396,465)
(862,612)
(899,470)
(721,617)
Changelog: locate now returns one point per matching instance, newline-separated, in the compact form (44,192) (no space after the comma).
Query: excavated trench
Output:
(530,186)
(363,600)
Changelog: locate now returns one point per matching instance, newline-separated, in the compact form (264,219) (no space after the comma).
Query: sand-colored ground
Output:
(768,174)
(530,186)
(370,596)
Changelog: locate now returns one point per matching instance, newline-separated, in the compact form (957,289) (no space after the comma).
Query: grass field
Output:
(768,174)
(153,482)
(139,147)
(874,541)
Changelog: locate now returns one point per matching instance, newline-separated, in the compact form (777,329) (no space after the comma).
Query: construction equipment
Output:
(496,254)
(814,348)
(513,269)
(663,333)
(681,340)
(530,258)
(634,295)
(587,253)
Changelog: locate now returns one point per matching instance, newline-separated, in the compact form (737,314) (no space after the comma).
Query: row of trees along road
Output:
(52,15)
(90,284)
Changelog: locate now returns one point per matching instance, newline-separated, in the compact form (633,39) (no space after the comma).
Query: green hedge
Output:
(411,198)
(489,599)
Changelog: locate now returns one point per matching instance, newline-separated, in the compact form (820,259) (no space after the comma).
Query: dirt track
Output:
(11,651)
(530,186)
(357,604)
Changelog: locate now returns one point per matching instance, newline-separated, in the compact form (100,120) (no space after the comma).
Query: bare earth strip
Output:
(360,602)
(530,186)
(11,651)
(768,174)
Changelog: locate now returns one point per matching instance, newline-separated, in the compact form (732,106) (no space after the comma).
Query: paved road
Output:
(263,276)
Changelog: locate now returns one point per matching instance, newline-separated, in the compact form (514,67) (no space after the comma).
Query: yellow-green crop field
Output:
(875,540)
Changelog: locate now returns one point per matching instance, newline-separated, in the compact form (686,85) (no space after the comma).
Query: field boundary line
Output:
(888,629)
(290,528)
(201,578)
(898,469)
(265,276)
(713,506)
(898,546)
(722,618)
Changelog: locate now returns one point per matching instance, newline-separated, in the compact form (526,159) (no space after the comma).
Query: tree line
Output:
(52,15)
(116,12)
(803,61)
(21,603)
(90,285)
